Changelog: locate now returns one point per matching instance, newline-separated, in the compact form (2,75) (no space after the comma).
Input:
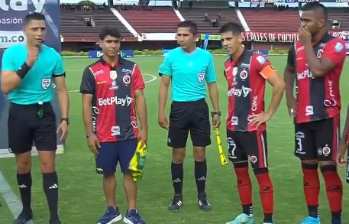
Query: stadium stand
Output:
(206,25)
(272,20)
(341,15)
(74,22)
(151,20)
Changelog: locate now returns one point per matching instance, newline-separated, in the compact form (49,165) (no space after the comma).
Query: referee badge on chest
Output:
(201,76)
(45,83)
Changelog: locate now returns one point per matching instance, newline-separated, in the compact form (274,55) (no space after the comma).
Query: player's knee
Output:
(327,163)
(310,161)
(310,166)
(178,156)
(240,165)
(199,154)
(328,168)
(48,167)
(258,171)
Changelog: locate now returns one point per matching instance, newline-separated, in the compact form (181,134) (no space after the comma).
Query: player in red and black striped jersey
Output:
(316,62)
(247,73)
(112,91)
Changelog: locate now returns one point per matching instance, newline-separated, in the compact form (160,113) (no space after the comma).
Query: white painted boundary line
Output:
(153,78)
(10,197)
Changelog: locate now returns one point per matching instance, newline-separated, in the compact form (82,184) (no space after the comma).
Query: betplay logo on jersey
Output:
(21,5)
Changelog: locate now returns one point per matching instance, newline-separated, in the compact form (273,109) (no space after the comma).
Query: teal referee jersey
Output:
(37,85)
(188,73)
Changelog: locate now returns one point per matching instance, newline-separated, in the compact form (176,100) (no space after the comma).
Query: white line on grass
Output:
(10,198)
(153,78)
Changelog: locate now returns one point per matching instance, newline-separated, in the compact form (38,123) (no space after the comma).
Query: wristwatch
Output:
(215,113)
(66,120)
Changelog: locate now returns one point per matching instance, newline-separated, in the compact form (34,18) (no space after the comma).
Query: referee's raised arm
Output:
(187,68)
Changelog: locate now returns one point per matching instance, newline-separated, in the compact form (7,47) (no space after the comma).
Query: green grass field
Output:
(81,196)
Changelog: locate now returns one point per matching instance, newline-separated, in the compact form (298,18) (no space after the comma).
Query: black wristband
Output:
(23,70)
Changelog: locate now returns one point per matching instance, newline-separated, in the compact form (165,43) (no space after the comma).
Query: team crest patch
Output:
(126,79)
(113,75)
(45,83)
(243,75)
(201,76)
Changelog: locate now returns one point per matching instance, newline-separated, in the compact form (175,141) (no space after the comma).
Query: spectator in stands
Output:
(219,15)
(190,4)
(206,17)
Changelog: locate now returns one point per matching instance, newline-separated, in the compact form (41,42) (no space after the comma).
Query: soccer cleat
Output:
(133,217)
(311,220)
(55,221)
(24,217)
(112,215)
(242,219)
(176,204)
(203,203)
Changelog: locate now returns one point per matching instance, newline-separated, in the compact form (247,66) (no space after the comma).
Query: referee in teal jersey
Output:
(188,68)
(28,73)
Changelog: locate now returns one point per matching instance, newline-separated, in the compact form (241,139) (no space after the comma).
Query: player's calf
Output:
(334,190)
(177,174)
(266,193)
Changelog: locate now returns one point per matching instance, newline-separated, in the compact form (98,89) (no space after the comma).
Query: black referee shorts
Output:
(189,116)
(25,127)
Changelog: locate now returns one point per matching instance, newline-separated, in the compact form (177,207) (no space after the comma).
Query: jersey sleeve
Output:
(88,82)
(291,57)
(7,63)
(166,68)
(137,79)
(59,68)
(262,66)
(211,71)
(335,51)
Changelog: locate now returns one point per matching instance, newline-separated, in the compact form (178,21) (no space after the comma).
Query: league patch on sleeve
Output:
(261,60)
(339,47)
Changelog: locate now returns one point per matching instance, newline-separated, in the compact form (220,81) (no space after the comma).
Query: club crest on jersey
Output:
(243,74)
(113,75)
(45,83)
(201,76)
(126,79)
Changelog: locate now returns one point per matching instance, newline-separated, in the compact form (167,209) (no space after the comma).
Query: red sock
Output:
(266,192)
(244,186)
(311,186)
(334,187)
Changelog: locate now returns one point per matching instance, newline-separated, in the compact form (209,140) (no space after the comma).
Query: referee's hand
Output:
(32,56)
(163,122)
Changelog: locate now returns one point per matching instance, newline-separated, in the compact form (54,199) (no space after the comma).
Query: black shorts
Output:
(25,127)
(248,146)
(189,116)
(317,139)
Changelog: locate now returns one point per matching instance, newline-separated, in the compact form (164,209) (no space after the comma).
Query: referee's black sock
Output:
(200,175)
(177,177)
(50,181)
(25,185)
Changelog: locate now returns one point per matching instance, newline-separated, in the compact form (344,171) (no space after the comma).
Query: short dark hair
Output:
(189,24)
(315,6)
(235,28)
(33,16)
(109,31)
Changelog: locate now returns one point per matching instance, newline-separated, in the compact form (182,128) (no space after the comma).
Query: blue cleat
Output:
(242,219)
(311,220)
(111,216)
(133,217)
